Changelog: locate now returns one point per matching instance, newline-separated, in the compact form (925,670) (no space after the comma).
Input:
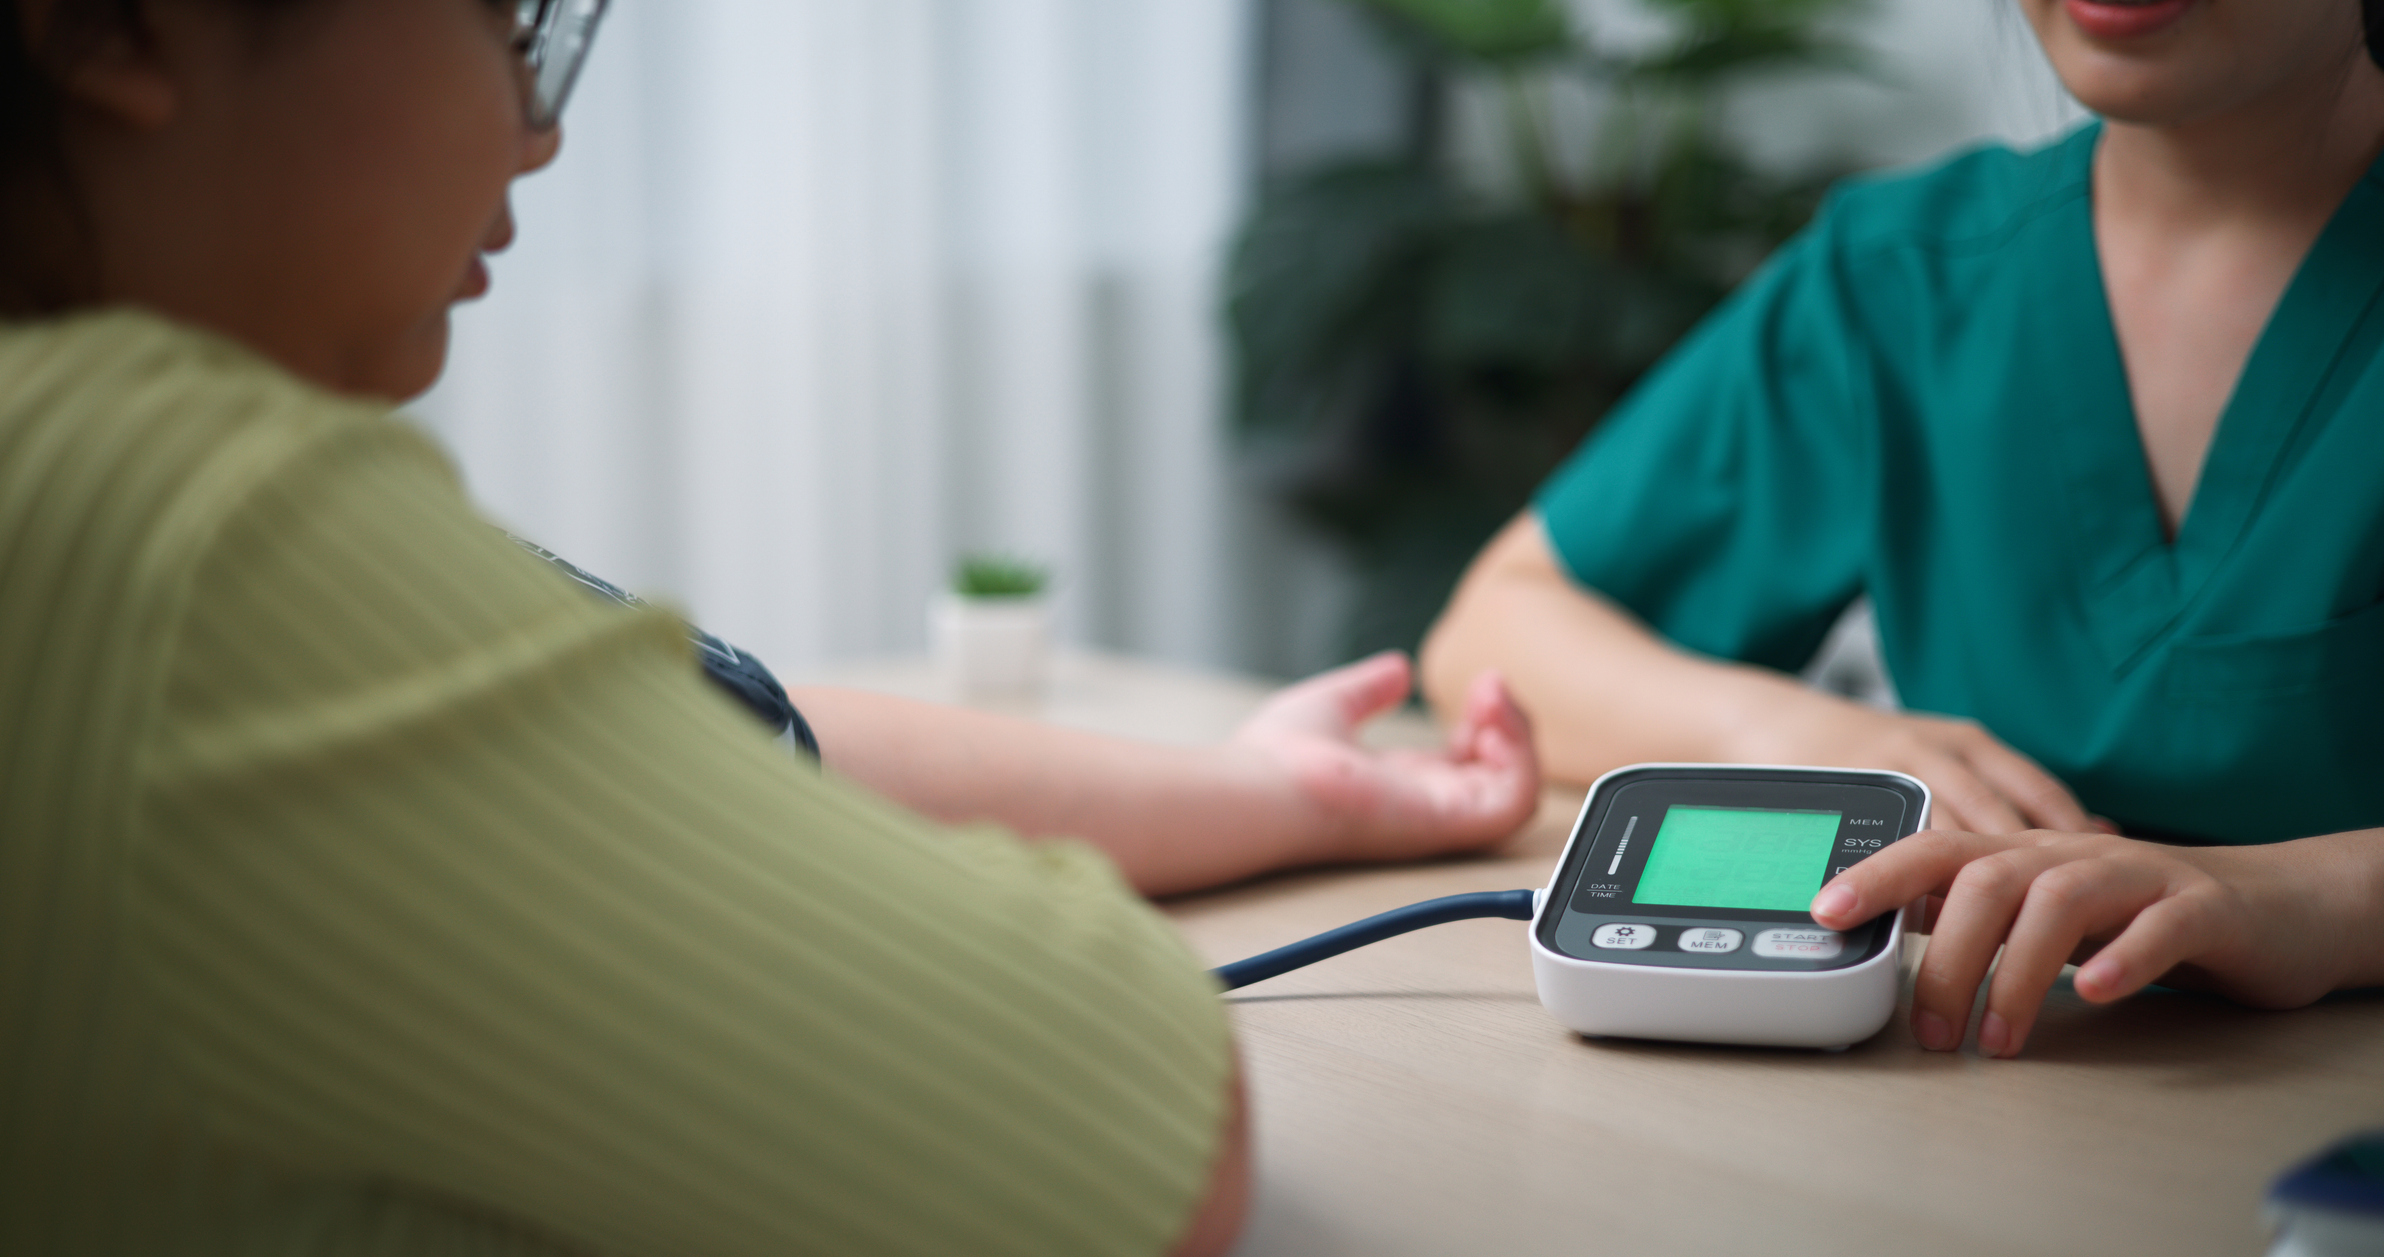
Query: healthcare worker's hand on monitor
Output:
(2272,926)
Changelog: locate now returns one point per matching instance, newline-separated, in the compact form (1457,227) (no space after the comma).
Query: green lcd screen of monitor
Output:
(1736,857)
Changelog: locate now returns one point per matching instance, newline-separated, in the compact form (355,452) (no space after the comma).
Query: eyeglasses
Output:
(552,37)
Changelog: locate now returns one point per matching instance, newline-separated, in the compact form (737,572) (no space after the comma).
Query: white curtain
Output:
(823,292)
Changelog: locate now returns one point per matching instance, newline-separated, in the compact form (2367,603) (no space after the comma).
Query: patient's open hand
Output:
(1395,805)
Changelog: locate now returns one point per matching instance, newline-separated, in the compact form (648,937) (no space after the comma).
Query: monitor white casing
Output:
(1828,1008)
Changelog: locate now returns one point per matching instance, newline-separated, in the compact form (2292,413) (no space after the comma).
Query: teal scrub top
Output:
(1921,398)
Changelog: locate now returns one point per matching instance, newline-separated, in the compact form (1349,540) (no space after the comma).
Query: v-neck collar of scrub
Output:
(2138,583)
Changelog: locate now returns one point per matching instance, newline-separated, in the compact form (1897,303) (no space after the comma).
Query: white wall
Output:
(822,292)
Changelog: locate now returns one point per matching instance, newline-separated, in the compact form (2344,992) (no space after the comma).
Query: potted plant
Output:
(1420,340)
(991,630)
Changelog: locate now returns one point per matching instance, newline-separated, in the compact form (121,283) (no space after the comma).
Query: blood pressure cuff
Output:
(741,675)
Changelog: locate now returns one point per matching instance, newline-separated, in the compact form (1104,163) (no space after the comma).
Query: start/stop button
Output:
(1800,944)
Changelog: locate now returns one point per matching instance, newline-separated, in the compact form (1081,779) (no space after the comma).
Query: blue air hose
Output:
(1515,905)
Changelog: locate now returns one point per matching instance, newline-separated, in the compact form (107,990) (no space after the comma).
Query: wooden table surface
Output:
(1412,1097)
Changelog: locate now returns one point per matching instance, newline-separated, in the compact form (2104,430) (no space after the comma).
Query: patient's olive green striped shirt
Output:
(366,888)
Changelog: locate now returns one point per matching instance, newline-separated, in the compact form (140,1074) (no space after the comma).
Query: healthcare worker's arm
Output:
(2272,926)
(1291,787)
(1603,691)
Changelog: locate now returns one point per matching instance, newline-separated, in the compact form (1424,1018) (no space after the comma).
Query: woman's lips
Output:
(2102,19)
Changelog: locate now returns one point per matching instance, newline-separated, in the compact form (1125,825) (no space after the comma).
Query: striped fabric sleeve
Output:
(456,881)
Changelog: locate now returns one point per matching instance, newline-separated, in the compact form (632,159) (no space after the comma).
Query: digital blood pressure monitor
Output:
(1678,910)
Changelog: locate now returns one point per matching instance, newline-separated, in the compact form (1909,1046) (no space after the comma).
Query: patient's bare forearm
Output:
(1173,818)
(1601,689)
(1292,786)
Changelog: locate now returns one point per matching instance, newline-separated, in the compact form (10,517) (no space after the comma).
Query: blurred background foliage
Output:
(1422,337)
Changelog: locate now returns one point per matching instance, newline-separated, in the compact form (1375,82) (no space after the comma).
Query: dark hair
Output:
(44,256)
(2371,16)
(46,259)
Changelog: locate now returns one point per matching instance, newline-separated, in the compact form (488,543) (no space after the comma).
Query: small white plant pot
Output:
(992,650)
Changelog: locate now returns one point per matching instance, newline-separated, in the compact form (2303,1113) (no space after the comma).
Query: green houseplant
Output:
(991,629)
(1418,344)
(998,576)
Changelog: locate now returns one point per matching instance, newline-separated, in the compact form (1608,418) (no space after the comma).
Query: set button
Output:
(1800,944)
(1624,937)
(1712,940)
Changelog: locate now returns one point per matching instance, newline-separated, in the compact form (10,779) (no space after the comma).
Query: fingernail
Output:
(1994,1035)
(1834,901)
(1932,1031)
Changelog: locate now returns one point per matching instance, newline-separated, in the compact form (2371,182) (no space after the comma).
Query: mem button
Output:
(1713,940)
(1799,944)
(1624,937)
